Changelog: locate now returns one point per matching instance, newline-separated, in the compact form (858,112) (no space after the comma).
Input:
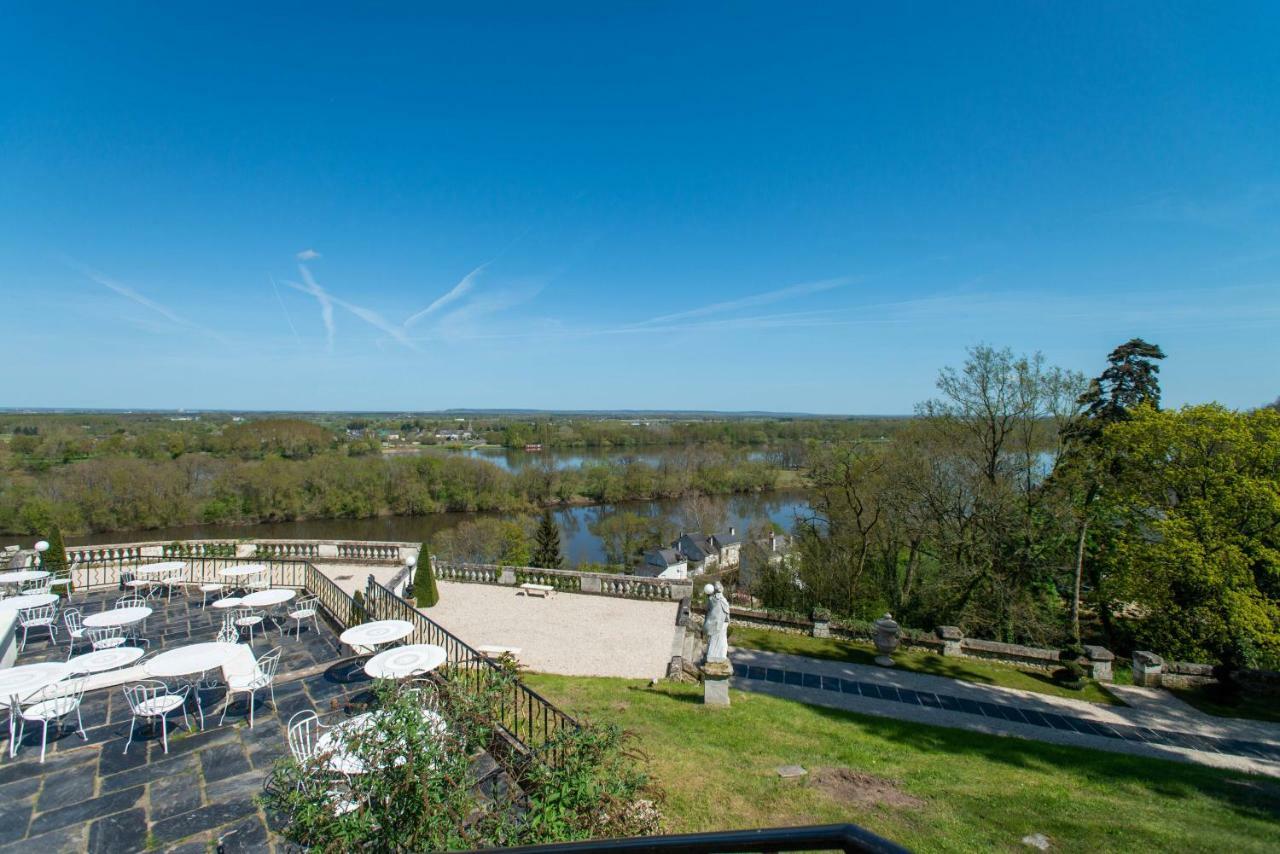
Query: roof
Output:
(695,546)
(663,557)
(722,540)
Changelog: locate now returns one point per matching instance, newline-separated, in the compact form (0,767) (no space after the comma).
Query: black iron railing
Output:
(108,571)
(525,716)
(826,837)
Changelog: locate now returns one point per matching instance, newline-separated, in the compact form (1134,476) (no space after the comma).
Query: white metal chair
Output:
(246,618)
(62,579)
(137,585)
(305,609)
(105,637)
(40,585)
(263,676)
(75,628)
(170,582)
(305,730)
(154,699)
(43,617)
(53,703)
(208,587)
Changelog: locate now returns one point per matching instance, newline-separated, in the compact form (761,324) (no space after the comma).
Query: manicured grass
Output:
(975,792)
(1253,708)
(916,661)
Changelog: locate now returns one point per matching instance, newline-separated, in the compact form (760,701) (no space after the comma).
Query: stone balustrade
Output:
(319,551)
(568,580)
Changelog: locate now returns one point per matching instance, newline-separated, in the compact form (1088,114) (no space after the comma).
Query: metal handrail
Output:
(824,837)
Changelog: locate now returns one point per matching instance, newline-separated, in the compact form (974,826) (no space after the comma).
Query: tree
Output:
(1130,380)
(623,535)
(1193,545)
(546,544)
(55,558)
(425,592)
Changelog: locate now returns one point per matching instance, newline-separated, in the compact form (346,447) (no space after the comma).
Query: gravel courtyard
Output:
(566,633)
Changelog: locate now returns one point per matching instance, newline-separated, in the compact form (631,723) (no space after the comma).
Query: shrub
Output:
(425,592)
(1071,674)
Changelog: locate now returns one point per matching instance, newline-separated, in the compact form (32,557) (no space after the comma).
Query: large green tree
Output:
(1192,550)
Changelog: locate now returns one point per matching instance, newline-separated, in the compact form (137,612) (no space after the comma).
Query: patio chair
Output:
(106,637)
(62,580)
(171,582)
(40,585)
(263,676)
(138,586)
(132,600)
(305,609)
(75,628)
(305,731)
(246,618)
(208,587)
(53,703)
(154,699)
(44,617)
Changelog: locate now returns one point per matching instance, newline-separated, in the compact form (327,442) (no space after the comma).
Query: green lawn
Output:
(1254,708)
(916,661)
(956,790)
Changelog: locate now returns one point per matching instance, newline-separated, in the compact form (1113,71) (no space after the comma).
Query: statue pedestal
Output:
(715,682)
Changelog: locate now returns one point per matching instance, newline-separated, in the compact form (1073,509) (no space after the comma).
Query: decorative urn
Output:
(886,638)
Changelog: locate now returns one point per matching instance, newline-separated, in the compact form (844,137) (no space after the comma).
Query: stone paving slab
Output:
(946,702)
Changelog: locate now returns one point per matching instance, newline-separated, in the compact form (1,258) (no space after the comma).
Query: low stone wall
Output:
(1152,671)
(568,580)
(316,551)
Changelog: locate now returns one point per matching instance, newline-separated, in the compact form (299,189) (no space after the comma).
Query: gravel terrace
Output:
(572,634)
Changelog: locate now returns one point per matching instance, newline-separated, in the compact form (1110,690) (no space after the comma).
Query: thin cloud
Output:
(766,298)
(144,301)
(328,301)
(322,297)
(457,292)
(308,255)
(275,288)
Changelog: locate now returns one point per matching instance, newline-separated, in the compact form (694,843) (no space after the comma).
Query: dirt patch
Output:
(854,788)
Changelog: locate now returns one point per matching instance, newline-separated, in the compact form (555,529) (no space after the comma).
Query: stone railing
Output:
(319,551)
(572,581)
(1152,671)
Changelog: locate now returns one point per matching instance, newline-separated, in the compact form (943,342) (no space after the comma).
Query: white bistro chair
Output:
(44,617)
(262,676)
(246,618)
(105,637)
(53,703)
(75,628)
(305,730)
(62,580)
(304,609)
(154,699)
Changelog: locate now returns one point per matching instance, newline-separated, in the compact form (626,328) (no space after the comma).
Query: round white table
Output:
(334,742)
(226,602)
(377,632)
(29,600)
(105,659)
(22,576)
(242,571)
(191,659)
(28,678)
(266,598)
(160,568)
(402,661)
(117,617)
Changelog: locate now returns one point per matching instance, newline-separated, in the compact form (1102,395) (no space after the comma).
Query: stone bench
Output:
(543,590)
(497,651)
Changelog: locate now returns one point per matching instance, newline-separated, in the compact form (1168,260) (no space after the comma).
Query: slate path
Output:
(946,702)
(91,796)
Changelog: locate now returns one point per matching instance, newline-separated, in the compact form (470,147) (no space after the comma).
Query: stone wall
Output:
(1152,671)
(567,580)
(316,551)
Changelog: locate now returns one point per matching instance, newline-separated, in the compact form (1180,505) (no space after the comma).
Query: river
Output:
(577,542)
(516,461)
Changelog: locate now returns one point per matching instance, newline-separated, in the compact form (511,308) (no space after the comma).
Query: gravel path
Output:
(566,633)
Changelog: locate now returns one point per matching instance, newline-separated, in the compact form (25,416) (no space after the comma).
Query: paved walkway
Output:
(1151,726)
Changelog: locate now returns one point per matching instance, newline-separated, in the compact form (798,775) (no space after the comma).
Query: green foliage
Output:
(625,534)
(1192,544)
(546,544)
(55,558)
(425,592)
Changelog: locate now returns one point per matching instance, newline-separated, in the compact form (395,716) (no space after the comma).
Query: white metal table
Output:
(243,571)
(377,632)
(105,659)
(28,600)
(267,598)
(193,660)
(160,568)
(23,681)
(335,742)
(227,602)
(118,617)
(22,576)
(402,661)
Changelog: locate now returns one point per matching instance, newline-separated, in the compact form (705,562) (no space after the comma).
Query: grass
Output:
(975,792)
(917,661)
(1253,708)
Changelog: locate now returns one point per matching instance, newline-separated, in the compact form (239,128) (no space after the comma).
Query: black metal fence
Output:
(525,716)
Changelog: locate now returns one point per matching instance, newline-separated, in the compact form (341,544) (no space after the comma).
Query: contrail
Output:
(459,290)
(287,317)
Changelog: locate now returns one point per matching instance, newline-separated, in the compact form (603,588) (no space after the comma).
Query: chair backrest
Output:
(72,688)
(141,692)
(40,585)
(130,601)
(242,613)
(28,616)
(73,619)
(102,633)
(304,731)
(269,663)
(306,603)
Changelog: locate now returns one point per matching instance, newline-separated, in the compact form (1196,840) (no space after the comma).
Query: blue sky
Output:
(733,206)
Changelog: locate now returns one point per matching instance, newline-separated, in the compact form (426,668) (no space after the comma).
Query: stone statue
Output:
(716,625)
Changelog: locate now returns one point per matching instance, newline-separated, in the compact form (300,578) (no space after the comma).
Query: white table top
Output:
(379,631)
(162,567)
(105,659)
(402,661)
(241,571)
(227,602)
(30,600)
(29,678)
(21,575)
(194,658)
(118,617)
(334,741)
(263,598)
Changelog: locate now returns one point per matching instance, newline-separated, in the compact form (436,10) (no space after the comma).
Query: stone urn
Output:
(886,638)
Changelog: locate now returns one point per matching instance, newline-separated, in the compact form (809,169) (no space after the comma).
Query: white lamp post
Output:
(41,548)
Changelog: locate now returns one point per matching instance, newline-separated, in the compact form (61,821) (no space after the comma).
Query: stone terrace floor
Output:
(91,796)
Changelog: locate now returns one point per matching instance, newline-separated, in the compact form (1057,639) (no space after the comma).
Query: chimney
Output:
(733,532)
(773,541)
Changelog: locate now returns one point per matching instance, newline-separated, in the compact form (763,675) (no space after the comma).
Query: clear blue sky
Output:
(805,207)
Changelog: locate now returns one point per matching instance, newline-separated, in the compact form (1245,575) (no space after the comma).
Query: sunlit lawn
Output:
(971,792)
(916,661)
